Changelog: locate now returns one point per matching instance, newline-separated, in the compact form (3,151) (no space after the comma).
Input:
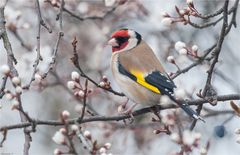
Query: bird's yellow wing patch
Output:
(141,80)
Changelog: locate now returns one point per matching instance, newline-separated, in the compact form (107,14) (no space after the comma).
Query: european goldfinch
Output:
(139,73)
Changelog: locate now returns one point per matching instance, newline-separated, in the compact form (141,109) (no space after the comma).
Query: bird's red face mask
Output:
(119,40)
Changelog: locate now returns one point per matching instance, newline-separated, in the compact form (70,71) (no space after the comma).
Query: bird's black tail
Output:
(187,109)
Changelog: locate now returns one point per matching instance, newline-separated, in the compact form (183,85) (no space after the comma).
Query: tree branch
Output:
(117,118)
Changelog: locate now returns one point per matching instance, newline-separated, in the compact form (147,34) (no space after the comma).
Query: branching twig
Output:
(216,54)
(77,65)
(117,118)
(60,35)
(84,101)
(85,18)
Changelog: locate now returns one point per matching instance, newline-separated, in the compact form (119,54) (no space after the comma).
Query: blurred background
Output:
(47,101)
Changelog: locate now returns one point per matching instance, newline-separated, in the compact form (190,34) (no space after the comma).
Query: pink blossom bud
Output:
(75,76)
(87,134)
(102,150)
(16,80)
(167,21)
(102,84)
(107,145)
(74,128)
(182,51)
(71,85)
(18,89)
(5,69)
(179,45)
(63,130)
(9,96)
(194,48)
(81,93)
(58,138)
(57,152)
(38,78)
(105,78)
(65,114)
(170,59)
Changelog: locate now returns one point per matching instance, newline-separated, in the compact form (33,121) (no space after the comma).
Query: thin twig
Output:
(84,101)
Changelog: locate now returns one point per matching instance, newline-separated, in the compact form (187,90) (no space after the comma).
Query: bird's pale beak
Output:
(113,42)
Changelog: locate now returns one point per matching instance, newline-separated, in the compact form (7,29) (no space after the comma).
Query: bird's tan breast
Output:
(130,88)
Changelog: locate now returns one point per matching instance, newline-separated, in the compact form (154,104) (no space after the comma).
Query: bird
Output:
(139,73)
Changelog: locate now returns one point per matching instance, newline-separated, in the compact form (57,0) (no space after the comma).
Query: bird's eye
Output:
(122,39)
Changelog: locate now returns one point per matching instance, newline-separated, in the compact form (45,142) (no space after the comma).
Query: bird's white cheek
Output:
(132,42)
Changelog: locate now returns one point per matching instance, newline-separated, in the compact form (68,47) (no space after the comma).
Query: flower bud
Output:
(102,84)
(75,76)
(58,138)
(179,45)
(38,78)
(71,85)
(9,96)
(194,48)
(16,80)
(63,130)
(57,152)
(65,114)
(107,145)
(171,59)
(102,150)
(81,93)
(74,128)
(105,79)
(182,51)
(87,134)
(5,69)
(18,89)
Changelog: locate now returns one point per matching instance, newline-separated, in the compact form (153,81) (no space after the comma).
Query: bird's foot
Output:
(122,106)
(129,112)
